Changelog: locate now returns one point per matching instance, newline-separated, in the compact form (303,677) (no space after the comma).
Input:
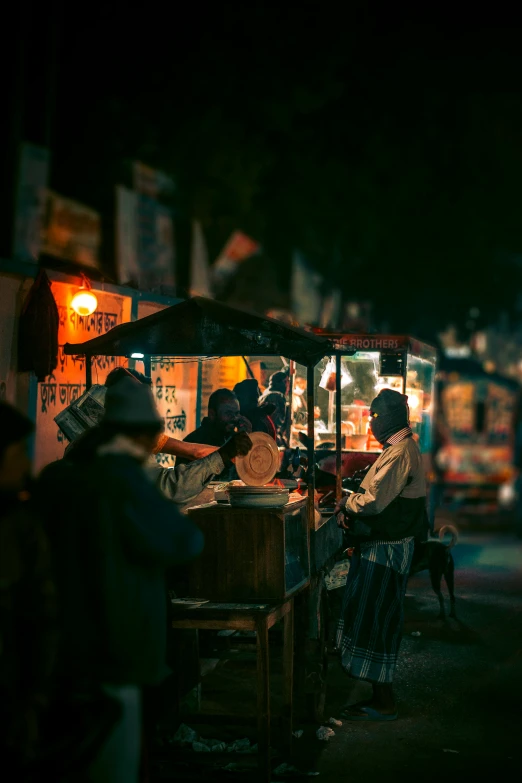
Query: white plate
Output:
(270,490)
(261,463)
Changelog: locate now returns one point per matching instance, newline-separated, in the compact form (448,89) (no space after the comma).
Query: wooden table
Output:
(259,618)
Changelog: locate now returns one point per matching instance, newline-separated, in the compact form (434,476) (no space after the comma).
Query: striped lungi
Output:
(370,629)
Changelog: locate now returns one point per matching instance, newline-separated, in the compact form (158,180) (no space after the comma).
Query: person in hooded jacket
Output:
(113,536)
(259,414)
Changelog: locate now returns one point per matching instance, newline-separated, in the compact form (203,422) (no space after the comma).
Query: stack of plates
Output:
(258,497)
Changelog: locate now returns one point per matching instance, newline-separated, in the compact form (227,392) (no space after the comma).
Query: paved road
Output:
(459,684)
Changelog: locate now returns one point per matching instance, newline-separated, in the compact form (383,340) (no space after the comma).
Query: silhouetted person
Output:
(27,603)
(114,535)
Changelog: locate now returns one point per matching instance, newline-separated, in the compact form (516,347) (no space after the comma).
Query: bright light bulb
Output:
(137,356)
(84,302)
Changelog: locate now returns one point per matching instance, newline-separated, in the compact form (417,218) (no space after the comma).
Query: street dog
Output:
(435,557)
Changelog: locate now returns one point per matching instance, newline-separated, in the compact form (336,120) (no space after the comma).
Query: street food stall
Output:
(346,382)
(257,550)
(476,436)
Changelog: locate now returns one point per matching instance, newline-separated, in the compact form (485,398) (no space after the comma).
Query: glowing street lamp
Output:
(84,302)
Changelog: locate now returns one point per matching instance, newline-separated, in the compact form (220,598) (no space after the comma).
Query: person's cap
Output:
(14,426)
(116,375)
(279,377)
(131,402)
(388,401)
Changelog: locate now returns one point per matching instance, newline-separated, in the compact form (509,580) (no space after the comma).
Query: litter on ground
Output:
(335,722)
(324,733)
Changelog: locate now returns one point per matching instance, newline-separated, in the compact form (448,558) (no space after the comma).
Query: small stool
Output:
(259,618)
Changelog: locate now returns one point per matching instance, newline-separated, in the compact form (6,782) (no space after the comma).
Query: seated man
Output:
(218,426)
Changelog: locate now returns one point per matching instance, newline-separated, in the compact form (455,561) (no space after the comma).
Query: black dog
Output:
(436,557)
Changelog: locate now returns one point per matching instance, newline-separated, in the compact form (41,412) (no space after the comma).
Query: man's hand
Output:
(239,445)
(341,515)
(243,424)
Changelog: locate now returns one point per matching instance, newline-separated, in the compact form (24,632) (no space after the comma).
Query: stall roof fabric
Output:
(203,327)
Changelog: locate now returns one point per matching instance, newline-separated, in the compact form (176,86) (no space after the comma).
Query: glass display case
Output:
(368,365)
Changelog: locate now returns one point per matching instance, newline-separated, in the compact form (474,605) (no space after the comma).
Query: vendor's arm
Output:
(185,482)
(179,448)
(385,486)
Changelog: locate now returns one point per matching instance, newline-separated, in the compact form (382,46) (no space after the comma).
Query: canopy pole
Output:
(310,379)
(88,371)
(199,392)
(248,369)
(338,434)
(147,365)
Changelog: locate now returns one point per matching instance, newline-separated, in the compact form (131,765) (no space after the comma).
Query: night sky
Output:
(389,150)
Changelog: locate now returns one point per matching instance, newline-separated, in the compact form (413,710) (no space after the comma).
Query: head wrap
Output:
(389,414)
(248,393)
(278,381)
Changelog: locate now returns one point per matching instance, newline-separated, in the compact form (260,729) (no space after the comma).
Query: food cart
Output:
(476,436)
(346,382)
(287,550)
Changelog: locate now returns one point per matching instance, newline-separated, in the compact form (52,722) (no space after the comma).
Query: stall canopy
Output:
(203,327)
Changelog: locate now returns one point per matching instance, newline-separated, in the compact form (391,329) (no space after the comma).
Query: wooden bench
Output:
(259,617)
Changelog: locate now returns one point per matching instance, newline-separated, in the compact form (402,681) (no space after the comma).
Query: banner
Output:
(150,182)
(199,268)
(331,310)
(30,202)
(145,242)
(238,248)
(127,235)
(305,292)
(72,231)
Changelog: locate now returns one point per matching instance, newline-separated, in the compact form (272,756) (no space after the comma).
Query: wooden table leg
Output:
(263,700)
(288,677)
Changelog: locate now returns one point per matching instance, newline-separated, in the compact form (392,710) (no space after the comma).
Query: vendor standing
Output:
(277,394)
(258,413)
(385,516)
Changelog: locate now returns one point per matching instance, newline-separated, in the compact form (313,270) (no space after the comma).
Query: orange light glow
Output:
(84,302)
